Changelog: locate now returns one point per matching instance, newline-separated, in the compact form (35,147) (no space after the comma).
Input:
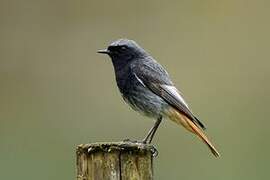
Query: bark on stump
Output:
(115,161)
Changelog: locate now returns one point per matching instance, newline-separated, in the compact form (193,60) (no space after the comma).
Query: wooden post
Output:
(115,161)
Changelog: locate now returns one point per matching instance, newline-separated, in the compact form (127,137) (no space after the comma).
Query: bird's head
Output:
(124,50)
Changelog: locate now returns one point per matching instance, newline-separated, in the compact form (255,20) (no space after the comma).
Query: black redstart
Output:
(146,87)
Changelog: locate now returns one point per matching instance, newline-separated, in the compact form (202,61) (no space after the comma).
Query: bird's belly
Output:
(145,101)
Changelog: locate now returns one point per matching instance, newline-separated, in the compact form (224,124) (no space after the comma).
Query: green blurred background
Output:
(57,92)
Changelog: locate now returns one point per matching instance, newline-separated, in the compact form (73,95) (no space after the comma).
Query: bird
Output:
(147,87)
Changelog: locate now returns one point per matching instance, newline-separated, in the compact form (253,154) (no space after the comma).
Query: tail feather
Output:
(192,127)
(200,134)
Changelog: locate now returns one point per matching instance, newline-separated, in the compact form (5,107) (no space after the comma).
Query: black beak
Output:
(103,51)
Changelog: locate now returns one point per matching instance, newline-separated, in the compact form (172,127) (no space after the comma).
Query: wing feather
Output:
(171,95)
(154,77)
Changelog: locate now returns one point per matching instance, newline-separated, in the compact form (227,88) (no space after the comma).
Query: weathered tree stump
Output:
(115,161)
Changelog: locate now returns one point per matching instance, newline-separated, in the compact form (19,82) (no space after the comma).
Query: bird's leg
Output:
(152,131)
(155,129)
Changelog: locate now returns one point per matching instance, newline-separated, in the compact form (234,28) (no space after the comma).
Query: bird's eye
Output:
(117,49)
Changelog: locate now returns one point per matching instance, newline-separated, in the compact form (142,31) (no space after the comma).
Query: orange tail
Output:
(199,133)
(191,126)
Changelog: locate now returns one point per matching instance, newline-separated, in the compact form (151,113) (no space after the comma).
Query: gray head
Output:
(123,51)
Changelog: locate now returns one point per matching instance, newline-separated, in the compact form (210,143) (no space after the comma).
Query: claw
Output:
(154,151)
(144,141)
(131,141)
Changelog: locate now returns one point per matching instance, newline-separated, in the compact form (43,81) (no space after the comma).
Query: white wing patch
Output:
(139,79)
(172,90)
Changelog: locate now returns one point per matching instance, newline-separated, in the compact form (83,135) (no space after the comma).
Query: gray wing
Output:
(157,80)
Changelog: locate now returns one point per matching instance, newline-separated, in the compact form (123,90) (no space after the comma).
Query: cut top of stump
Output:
(124,146)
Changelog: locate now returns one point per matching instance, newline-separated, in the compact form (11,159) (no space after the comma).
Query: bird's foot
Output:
(145,141)
(134,141)
(153,149)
